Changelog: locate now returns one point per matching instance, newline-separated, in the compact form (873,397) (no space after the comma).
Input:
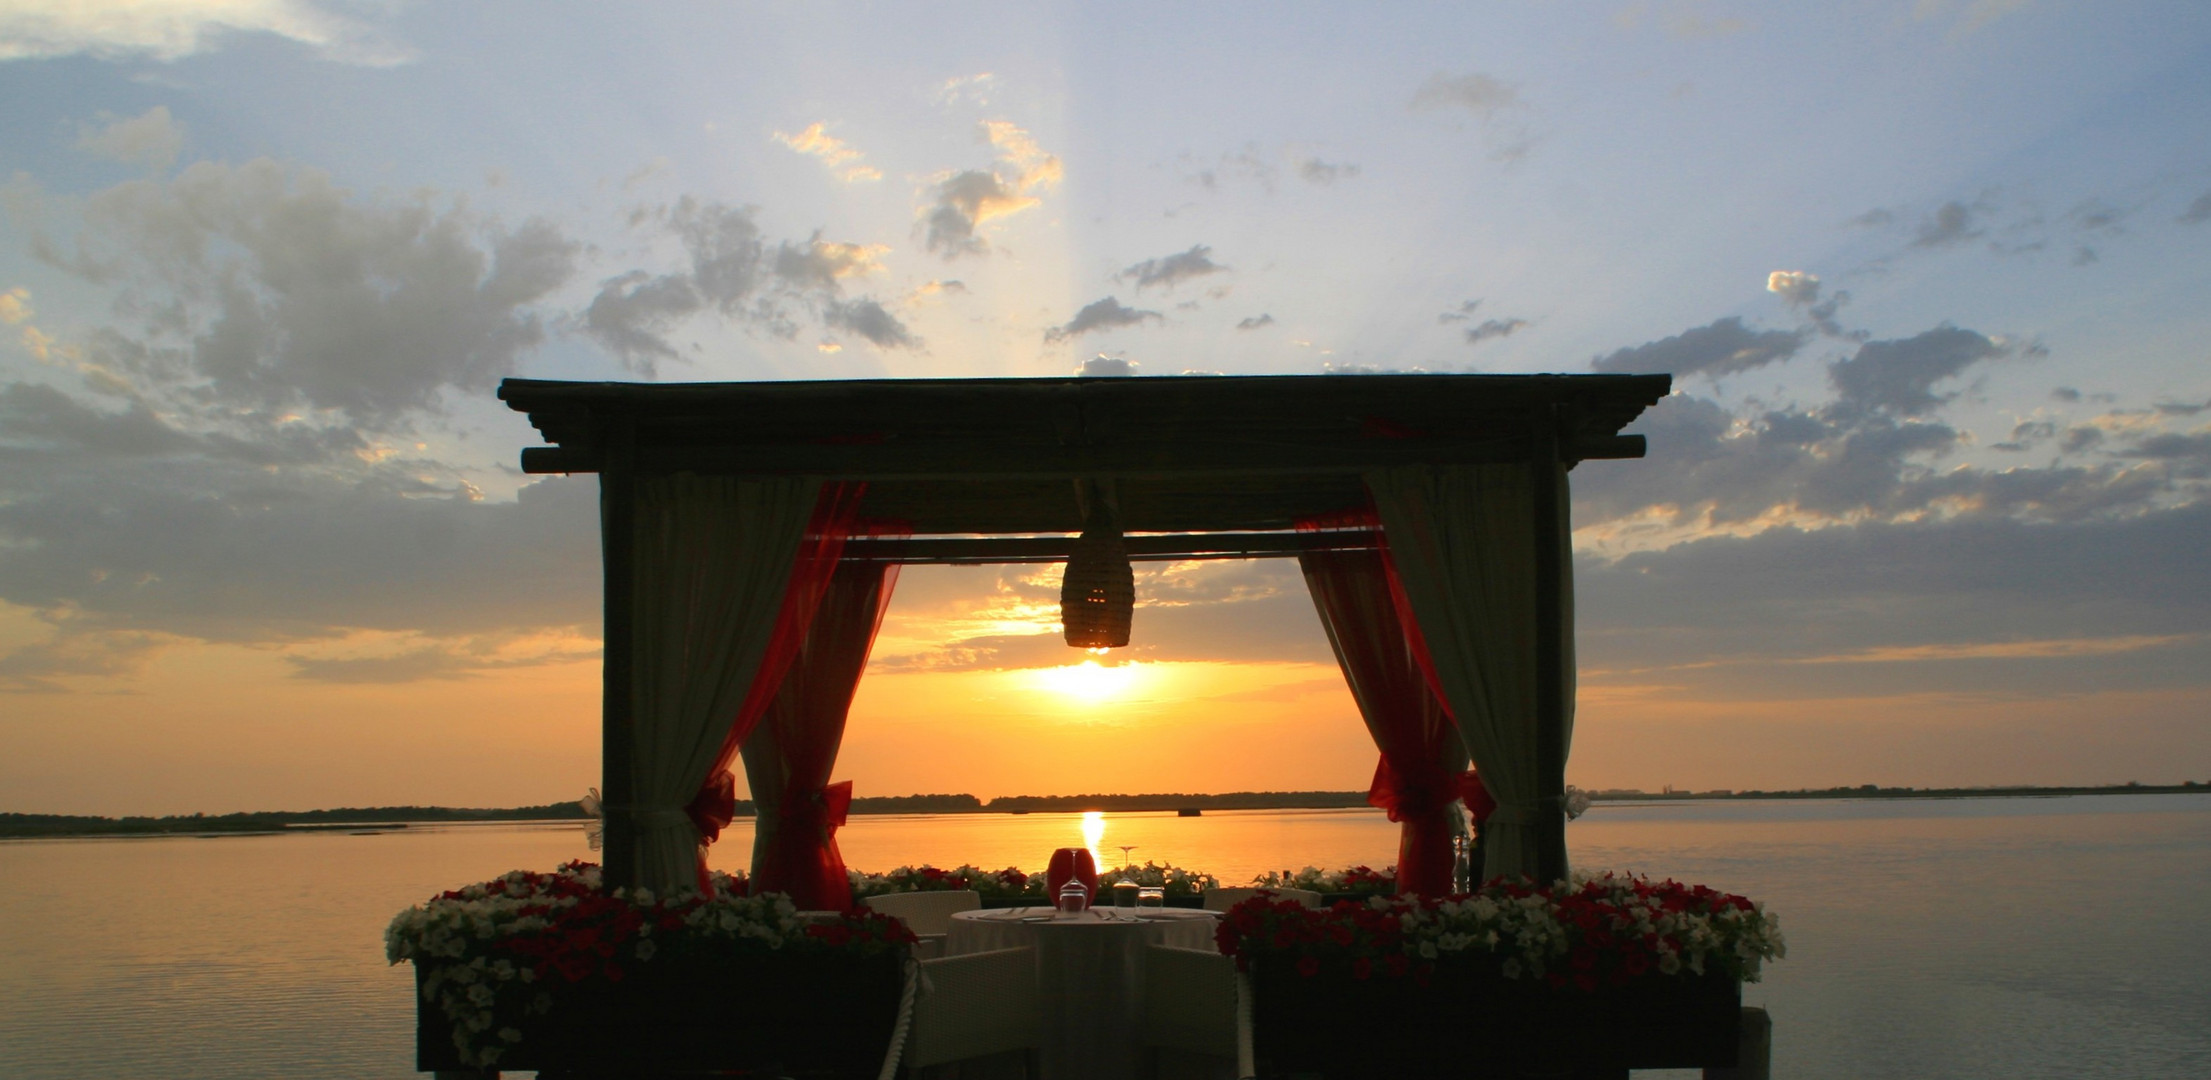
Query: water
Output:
(2012,938)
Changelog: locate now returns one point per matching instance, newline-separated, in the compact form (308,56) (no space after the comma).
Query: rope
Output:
(905,1020)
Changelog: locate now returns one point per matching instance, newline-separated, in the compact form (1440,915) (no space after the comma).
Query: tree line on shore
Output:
(36,825)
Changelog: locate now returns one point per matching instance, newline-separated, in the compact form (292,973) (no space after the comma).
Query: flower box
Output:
(551,971)
(799,1014)
(1468,1020)
(1586,978)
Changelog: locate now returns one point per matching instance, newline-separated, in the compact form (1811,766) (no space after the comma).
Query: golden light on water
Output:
(1093,831)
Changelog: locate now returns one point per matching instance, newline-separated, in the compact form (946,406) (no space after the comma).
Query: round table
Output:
(1090,976)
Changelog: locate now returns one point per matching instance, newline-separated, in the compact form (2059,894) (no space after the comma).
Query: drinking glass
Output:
(1151,896)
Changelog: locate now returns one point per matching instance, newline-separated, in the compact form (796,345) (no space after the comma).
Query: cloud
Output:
(1951,224)
(174,29)
(970,89)
(1255,322)
(2009,598)
(868,319)
(836,155)
(1477,93)
(1897,376)
(1494,328)
(731,269)
(1106,367)
(1106,314)
(962,202)
(151,139)
(818,264)
(1313,170)
(1801,291)
(2198,211)
(1722,347)
(15,306)
(271,287)
(1168,271)
(1462,313)
(1488,101)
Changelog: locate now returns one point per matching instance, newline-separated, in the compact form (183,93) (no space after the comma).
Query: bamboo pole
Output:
(1548,495)
(618,550)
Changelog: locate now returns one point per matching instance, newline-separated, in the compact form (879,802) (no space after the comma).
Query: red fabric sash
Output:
(803,859)
(832,521)
(1357,596)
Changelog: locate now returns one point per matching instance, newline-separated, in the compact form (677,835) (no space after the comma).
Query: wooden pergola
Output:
(991,470)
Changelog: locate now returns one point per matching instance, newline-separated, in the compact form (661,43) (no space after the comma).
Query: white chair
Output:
(927,914)
(1224,899)
(974,1006)
(1189,1003)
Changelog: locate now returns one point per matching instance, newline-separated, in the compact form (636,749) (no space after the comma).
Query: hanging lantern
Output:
(1097,597)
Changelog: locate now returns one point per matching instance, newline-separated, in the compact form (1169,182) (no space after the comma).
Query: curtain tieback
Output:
(1531,812)
(804,811)
(714,807)
(1480,804)
(1391,793)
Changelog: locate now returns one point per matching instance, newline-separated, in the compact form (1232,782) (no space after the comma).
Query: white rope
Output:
(905,1020)
(1246,1067)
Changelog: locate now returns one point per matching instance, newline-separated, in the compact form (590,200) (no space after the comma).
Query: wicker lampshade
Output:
(1097,598)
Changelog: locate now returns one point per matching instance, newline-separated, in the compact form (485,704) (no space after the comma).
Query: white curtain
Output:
(1463,541)
(713,559)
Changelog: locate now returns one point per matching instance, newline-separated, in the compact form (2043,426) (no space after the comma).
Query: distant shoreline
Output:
(32,826)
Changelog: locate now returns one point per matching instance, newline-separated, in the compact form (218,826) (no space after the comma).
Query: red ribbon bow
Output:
(714,807)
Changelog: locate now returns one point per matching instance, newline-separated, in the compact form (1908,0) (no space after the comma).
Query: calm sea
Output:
(2002,938)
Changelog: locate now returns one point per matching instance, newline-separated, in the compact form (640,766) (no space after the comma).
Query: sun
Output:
(1089,682)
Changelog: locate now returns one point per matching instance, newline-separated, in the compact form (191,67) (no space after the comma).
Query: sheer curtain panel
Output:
(789,758)
(713,565)
(1422,759)
(1462,540)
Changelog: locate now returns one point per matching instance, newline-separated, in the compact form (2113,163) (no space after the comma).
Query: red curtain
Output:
(1419,774)
(715,806)
(797,747)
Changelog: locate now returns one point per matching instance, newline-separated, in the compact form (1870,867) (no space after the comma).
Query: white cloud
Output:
(151,139)
(841,159)
(175,29)
(962,202)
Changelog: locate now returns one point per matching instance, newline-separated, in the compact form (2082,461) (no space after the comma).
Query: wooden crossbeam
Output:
(972,550)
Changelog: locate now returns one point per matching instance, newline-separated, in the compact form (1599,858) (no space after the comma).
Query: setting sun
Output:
(1090,682)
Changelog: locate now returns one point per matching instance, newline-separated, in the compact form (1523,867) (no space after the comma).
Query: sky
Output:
(1928,505)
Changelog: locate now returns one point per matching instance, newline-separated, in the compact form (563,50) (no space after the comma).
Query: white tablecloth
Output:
(1090,971)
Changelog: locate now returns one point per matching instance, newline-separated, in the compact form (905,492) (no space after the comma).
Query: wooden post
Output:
(1548,495)
(617,546)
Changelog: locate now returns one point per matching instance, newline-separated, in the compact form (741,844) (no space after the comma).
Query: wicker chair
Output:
(1189,1003)
(974,1006)
(1224,899)
(927,914)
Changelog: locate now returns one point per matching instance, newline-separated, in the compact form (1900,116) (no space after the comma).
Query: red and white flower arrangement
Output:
(1607,929)
(494,953)
(926,878)
(1356,879)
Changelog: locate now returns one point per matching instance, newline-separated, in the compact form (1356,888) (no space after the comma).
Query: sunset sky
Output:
(1931,504)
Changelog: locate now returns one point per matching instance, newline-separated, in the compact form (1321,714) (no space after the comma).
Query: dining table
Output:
(1090,976)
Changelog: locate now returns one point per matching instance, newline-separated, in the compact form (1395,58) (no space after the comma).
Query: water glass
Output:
(1124,893)
(1073,898)
(1151,896)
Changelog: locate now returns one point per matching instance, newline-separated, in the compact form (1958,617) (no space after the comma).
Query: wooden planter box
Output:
(807,1015)
(1470,1021)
